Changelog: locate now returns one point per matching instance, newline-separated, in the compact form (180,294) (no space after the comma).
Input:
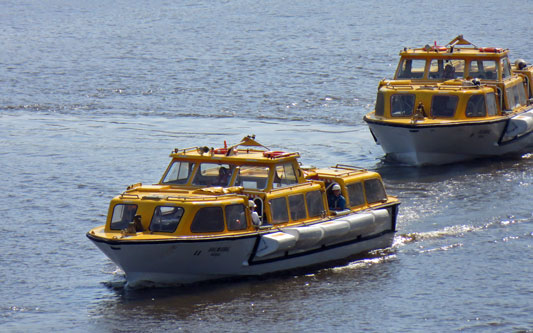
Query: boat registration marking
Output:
(216,251)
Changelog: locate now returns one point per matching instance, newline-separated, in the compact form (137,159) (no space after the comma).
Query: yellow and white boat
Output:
(454,103)
(239,211)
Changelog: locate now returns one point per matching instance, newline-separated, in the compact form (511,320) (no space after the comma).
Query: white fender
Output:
(361,224)
(276,242)
(306,236)
(519,125)
(381,219)
(334,230)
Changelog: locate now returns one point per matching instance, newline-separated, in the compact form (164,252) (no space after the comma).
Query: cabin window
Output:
(122,216)
(236,217)
(411,69)
(402,105)
(178,173)
(278,209)
(516,96)
(355,194)
(297,207)
(483,69)
(252,177)
(380,104)
(208,219)
(476,106)
(315,203)
(506,68)
(166,218)
(520,91)
(492,104)
(213,174)
(444,105)
(375,192)
(436,69)
(284,175)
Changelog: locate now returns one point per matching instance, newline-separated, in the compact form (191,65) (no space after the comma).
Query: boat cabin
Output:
(459,81)
(206,191)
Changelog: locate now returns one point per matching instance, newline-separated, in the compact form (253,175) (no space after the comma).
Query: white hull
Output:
(420,145)
(188,261)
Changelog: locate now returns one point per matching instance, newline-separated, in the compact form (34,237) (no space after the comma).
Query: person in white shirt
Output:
(255,217)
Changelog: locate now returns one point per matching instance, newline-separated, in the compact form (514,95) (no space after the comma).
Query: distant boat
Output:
(242,210)
(454,103)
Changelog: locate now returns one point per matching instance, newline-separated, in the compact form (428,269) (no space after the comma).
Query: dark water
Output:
(94,95)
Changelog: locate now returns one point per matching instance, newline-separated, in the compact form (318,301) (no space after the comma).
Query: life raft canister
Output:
(222,150)
(273,154)
(438,48)
(490,49)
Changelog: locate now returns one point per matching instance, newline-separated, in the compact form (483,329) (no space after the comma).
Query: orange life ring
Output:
(221,151)
(272,154)
(439,48)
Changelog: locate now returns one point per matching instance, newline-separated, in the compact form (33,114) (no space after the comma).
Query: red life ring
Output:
(272,154)
(221,151)
(439,48)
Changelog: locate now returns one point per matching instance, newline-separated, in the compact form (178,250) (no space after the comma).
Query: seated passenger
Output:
(449,72)
(336,200)
(255,217)
(223,176)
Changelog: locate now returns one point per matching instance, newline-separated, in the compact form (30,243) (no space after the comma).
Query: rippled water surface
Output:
(94,95)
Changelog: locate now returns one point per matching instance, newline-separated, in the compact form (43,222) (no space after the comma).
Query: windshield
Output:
(178,173)
(213,174)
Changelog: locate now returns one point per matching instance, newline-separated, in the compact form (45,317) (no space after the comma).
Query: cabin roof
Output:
(456,48)
(266,157)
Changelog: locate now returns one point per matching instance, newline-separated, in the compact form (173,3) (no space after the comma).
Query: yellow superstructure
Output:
(206,192)
(442,87)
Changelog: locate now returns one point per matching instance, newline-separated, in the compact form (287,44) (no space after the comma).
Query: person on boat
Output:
(223,176)
(336,200)
(449,72)
(255,217)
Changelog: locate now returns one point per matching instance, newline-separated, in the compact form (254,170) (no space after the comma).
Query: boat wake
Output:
(457,231)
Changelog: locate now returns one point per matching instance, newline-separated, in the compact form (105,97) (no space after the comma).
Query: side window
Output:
(380,104)
(315,204)
(236,217)
(278,209)
(444,105)
(355,194)
(520,94)
(411,69)
(284,175)
(506,68)
(512,99)
(476,106)
(402,105)
(178,173)
(122,216)
(212,174)
(166,218)
(297,207)
(375,192)
(492,106)
(208,219)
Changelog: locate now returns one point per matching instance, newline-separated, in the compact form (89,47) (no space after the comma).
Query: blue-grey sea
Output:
(95,94)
